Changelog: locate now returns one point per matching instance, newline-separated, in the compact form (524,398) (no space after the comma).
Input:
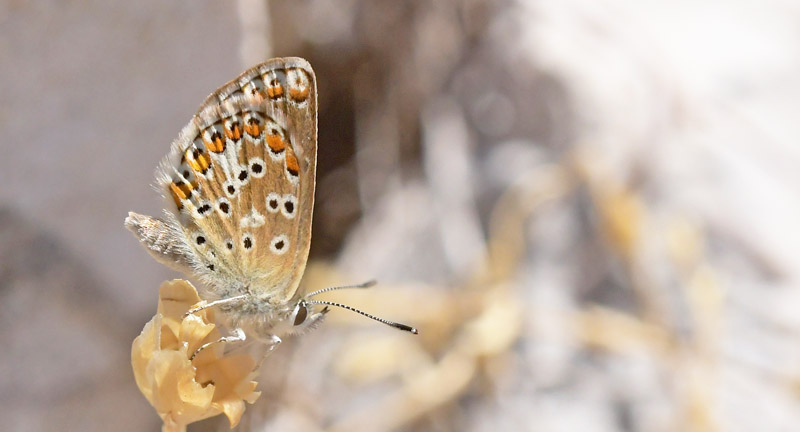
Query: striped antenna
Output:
(366,284)
(350,308)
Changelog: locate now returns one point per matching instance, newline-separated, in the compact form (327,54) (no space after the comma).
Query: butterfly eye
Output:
(300,313)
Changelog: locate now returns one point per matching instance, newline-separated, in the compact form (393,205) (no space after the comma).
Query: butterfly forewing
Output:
(241,176)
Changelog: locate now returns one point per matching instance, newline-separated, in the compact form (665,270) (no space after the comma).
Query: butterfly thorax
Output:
(257,317)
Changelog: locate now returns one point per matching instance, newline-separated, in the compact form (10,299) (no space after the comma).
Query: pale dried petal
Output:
(182,390)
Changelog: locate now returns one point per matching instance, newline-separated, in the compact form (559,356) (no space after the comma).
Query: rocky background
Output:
(588,208)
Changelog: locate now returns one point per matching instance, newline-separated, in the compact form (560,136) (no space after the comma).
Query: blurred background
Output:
(588,208)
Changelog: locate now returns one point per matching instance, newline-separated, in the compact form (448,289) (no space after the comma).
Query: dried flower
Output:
(181,389)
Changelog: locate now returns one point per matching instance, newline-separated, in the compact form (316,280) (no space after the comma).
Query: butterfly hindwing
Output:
(241,176)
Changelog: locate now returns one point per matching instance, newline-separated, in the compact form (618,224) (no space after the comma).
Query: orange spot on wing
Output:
(275,91)
(204,162)
(253,127)
(234,132)
(198,161)
(181,191)
(175,197)
(299,94)
(291,163)
(185,188)
(214,142)
(276,143)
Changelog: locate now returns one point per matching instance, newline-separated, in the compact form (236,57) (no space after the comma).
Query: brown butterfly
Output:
(241,176)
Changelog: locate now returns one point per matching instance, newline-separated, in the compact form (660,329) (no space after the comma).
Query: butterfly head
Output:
(303,318)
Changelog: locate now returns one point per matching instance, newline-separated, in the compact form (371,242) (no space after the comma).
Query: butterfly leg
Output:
(238,336)
(214,303)
(271,345)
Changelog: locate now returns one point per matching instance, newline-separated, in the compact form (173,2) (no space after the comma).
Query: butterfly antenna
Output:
(350,308)
(366,284)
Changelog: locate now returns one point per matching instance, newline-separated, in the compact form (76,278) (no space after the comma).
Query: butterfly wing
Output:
(241,176)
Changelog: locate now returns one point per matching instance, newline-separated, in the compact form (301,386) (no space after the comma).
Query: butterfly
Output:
(240,182)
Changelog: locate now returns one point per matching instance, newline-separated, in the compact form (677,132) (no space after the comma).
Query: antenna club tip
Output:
(405,327)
